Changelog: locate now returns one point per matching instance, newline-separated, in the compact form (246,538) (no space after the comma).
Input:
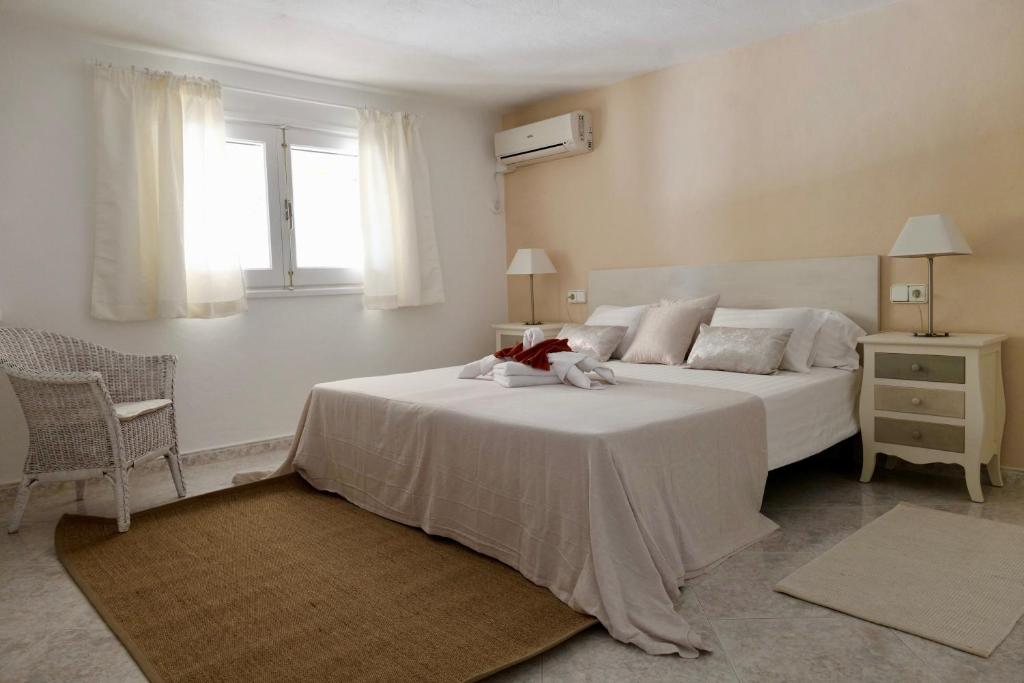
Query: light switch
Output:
(899,294)
(577,296)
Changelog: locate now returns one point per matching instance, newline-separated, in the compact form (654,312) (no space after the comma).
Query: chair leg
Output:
(119,480)
(20,503)
(80,489)
(174,463)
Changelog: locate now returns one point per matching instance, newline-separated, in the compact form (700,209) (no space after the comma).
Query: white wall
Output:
(245,377)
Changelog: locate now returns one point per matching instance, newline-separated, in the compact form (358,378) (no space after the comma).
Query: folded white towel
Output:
(514,381)
(516,368)
(567,367)
(484,366)
(571,368)
(532,336)
(479,368)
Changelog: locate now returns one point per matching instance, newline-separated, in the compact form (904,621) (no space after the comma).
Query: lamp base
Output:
(931,334)
(532,322)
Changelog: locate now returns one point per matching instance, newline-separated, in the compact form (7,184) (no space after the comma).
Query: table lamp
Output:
(531,262)
(930,236)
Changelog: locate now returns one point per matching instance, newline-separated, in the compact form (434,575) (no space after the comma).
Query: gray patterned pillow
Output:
(597,341)
(752,350)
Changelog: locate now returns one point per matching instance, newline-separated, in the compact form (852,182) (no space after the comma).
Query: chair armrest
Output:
(50,377)
(65,408)
(130,377)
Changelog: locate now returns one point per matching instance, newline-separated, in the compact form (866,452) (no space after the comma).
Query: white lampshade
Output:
(530,262)
(934,235)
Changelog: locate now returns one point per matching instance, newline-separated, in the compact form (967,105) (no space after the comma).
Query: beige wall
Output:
(820,143)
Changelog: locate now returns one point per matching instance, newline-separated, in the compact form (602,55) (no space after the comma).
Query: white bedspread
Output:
(608,498)
(807,411)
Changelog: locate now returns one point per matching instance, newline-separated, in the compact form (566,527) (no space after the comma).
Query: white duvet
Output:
(611,499)
(806,411)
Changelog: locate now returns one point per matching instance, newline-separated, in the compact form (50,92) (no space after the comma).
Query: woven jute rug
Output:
(950,578)
(275,581)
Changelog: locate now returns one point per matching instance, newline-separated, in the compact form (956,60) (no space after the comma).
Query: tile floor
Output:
(49,632)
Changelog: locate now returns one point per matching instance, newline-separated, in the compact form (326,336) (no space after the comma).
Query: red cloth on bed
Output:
(536,356)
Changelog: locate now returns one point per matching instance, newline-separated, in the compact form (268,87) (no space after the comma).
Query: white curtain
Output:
(401,265)
(161,247)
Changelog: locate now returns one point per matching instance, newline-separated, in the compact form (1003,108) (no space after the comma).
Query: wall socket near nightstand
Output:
(577,296)
(908,294)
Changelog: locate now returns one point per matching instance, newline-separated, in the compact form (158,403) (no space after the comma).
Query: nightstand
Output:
(934,399)
(510,334)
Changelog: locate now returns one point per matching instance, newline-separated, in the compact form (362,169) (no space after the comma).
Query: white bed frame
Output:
(849,284)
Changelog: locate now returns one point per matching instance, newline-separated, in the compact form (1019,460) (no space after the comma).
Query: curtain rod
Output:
(248,91)
(292,98)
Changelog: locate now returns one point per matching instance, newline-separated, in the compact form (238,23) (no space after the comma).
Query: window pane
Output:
(247,202)
(325,190)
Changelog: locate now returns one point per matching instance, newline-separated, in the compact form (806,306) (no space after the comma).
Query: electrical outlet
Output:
(917,294)
(577,296)
(908,294)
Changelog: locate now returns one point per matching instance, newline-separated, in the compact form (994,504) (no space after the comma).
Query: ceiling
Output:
(495,52)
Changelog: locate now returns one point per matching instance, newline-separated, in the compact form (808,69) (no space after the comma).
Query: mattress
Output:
(806,411)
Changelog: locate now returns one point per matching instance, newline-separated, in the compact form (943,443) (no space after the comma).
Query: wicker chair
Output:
(91,412)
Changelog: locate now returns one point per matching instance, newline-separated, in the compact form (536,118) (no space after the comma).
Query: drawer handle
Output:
(915,435)
(915,367)
(915,401)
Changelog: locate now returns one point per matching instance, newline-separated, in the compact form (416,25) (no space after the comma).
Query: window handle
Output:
(291,228)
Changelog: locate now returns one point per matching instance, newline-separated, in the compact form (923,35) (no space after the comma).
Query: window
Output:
(294,195)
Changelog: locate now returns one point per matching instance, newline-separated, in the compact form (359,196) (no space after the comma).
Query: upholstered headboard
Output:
(849,284)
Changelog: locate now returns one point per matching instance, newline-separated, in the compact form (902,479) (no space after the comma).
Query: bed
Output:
(611,499)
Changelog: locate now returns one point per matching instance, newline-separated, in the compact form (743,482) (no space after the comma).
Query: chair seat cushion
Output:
(130,411)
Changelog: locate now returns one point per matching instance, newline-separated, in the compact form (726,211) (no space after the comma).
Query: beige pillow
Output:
(597,341)
(753,350)
(666,330)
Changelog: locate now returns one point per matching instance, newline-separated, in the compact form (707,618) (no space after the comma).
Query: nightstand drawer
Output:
(938,402)
(938,437)
(922,367)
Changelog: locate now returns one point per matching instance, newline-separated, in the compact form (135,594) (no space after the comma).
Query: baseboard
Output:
(238,450)
(1013,473)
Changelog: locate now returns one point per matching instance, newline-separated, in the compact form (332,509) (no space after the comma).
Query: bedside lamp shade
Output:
(928,237)
(530,262)
(935,235)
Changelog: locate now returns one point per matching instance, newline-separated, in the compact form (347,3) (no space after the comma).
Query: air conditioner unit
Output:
(554,138)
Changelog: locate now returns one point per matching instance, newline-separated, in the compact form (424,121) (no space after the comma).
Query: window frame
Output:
(270,138)
(318,141)
(284,277)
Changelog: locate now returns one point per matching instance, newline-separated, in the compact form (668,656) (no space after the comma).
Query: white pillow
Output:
(619,316)
(836,343)
(805,323)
